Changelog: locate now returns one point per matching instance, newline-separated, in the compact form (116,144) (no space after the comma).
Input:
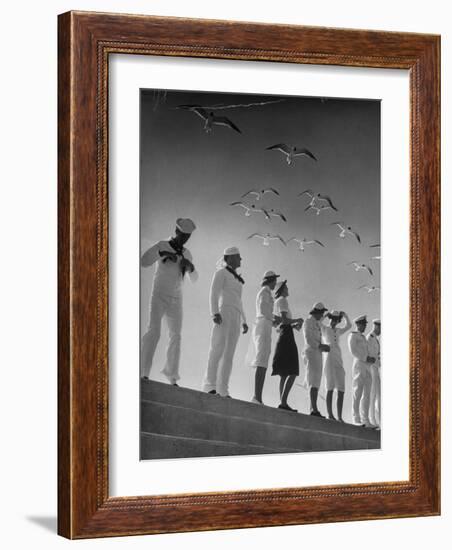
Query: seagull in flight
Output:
(346,230)
(210,118)
(267,237)
(359,267)
(369,288)
(316,198)
(291,151)
(318,209)
(259,193)
(375,245)
(277,214)
(249,208)
(303,242)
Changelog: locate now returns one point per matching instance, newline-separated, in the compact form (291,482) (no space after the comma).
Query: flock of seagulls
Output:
(318,202)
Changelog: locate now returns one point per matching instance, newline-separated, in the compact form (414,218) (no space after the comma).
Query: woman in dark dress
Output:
(285,360)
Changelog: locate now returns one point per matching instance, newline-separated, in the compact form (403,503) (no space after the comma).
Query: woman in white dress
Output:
(334,369)
(285,360)
(262,332)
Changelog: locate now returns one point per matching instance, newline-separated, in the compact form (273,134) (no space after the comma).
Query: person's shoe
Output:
(227,396)
(145,378)
(317,413)
(175,384)
(369,426)
(286,408)
(212,392)
(331,417)
(256,402)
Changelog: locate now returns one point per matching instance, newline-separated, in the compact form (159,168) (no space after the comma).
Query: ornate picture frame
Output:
(86,40)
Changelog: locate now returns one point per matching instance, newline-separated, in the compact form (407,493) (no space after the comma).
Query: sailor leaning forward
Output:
(227,314)
(173,261)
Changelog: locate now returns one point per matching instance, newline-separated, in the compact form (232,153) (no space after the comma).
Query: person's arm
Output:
(310,336)
(265,306)
(358,348)
(215,291)
(348,324)
(150,256)
(192,273)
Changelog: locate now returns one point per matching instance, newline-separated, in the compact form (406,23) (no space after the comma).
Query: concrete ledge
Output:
(179,420)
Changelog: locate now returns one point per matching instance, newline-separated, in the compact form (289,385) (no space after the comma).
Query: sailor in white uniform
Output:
(334,369)
(173,261)
(262,332)
(314,347)
(373,344)
(227,314)
(362,380)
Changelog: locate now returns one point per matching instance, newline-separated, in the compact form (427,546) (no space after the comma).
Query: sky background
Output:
(186,172)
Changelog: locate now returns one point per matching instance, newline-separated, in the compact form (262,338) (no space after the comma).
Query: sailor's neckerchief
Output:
(235,274)
(179,251)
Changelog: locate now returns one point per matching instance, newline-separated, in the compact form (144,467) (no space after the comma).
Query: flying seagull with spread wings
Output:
(346,230)
(318,209)
(259,193)
(360,267)
(369,288)
(250,208)
(291,151)
(267,237)
(303,242)
(210,118)
(317,198)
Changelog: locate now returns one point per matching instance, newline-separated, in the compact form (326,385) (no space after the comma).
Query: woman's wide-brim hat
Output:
(318,306)
(269,275)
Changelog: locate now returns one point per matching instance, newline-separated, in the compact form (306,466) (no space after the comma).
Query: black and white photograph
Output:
(260,274)
(260,288)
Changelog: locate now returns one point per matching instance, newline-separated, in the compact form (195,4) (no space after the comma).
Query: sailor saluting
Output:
(173,261)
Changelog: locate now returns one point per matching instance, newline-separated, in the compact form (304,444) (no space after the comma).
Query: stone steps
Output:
(181,422)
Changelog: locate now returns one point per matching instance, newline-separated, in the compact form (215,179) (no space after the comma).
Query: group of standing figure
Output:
(321,333)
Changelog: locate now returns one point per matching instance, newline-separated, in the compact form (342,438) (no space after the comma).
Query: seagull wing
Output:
(251,192)
(315,242)
(266,214)
(200,112)
(280,215)
(270,190)
(358,238)
(328,200)
(279,238)
(309,207)
(293,239)
(363,286)
(280,147)
(239,204)
(303,151)
(353,263)
(375,245)
(339,224)
(368,269)
(256,235)
(309,192)
(225,121)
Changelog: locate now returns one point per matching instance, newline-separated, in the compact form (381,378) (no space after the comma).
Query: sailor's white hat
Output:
(186,225)
(360,319)
(230,251)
